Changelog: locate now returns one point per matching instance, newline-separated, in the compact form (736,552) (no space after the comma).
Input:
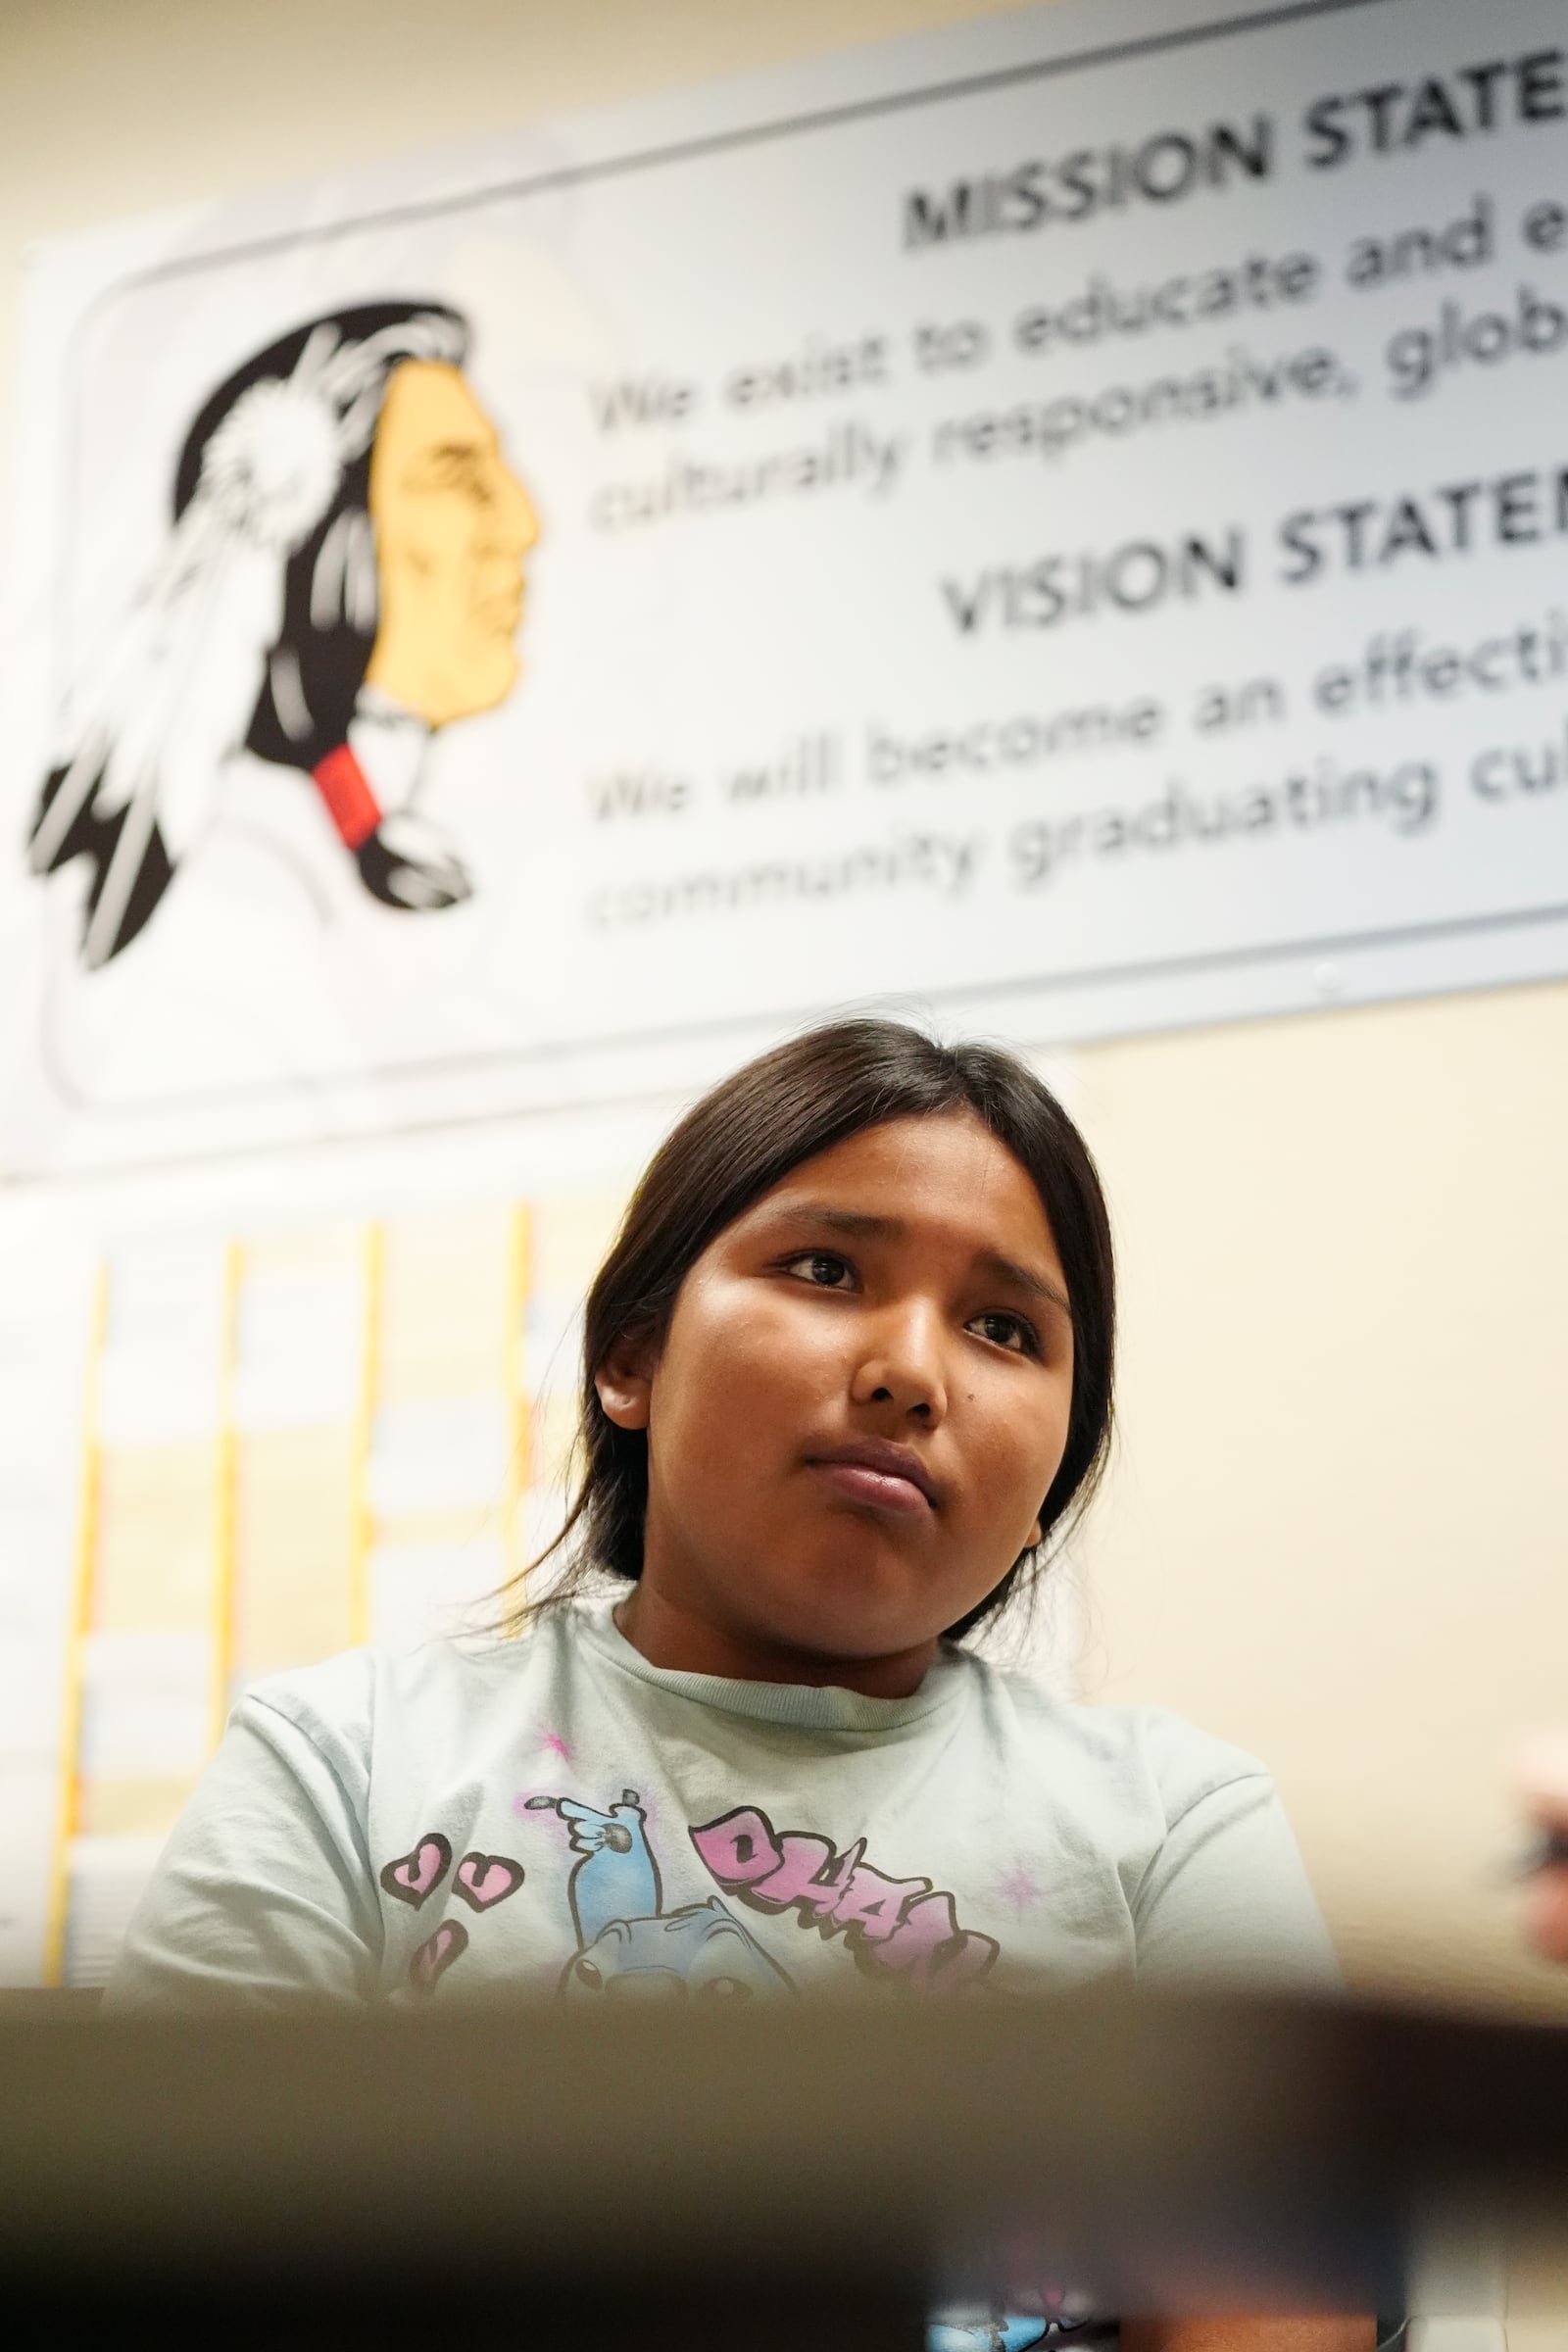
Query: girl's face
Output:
(860,1404)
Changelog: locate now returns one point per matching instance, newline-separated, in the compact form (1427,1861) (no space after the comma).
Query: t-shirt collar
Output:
(811,1706)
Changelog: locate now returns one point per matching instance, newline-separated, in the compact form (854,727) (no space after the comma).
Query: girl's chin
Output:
(843,1617)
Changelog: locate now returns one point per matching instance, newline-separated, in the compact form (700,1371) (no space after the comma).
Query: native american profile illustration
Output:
(344,577)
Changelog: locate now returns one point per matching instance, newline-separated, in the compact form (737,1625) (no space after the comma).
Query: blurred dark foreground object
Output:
(801,2175)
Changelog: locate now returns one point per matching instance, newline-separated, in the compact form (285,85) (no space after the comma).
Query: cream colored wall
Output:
(1335,1528)
(112,107)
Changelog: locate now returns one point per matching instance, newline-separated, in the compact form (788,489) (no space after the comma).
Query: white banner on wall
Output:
(1066,519)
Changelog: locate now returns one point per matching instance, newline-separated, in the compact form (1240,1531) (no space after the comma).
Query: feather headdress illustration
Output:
(343,576)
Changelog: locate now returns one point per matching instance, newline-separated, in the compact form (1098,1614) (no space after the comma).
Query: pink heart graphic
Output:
(487,1878)
(436,1954)
(413,1878)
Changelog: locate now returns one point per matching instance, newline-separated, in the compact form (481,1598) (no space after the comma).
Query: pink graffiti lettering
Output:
(872,1904)
(805,1876)
(740,1847)
(928,1946)
(898,1925)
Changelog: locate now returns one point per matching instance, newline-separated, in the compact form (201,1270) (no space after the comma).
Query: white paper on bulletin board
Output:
(253,1415)
(1066,518)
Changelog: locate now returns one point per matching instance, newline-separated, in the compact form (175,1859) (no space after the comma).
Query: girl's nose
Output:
(901,1366)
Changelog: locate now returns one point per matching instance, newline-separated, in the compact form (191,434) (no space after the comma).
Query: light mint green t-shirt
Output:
(554,1813)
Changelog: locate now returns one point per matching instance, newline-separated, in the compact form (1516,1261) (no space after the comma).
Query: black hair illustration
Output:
(255,630)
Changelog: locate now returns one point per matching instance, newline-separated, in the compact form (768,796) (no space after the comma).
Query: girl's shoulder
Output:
(1150,1752)
(345,1704)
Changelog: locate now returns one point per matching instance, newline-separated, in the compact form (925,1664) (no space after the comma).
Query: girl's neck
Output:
(672,1635)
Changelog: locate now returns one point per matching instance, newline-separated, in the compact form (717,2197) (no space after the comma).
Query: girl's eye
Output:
(822,1268)
(1007,1331)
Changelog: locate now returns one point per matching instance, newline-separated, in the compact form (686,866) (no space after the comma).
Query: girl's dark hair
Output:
(738,1142)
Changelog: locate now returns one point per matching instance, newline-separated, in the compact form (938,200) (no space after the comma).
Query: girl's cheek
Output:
(789,1340)
(1017,1449)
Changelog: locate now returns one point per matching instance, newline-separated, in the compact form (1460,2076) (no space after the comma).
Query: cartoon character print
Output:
(628,1946)
(1058,2317)
(1009,2334)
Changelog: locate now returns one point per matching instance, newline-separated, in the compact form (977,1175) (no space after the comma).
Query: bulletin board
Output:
(281,1444)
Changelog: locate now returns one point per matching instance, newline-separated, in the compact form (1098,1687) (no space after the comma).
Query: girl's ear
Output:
(624,1380)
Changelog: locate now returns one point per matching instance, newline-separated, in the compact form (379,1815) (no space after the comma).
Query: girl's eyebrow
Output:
(859,1224)
(1036,1285)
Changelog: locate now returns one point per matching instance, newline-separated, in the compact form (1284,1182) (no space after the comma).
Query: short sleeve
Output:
(1226,1898)
(262,1896)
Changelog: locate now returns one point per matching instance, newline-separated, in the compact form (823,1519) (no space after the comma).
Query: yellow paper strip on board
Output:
(296,1500)
(364,1530)
(153,1562)
(445,1303)
(224,1472)
(147,1805)
(519,1260)
(76,1624)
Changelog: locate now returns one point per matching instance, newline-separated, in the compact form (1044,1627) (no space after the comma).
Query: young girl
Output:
(847,1372)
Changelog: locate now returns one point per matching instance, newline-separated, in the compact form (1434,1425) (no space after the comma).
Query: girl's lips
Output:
(882,1489)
